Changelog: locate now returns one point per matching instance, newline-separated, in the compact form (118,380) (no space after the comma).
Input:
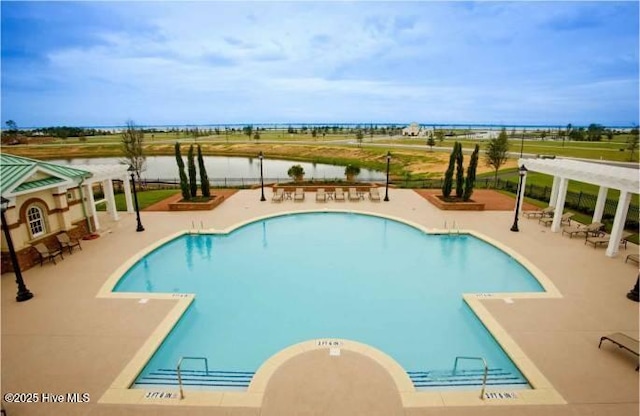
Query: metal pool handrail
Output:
(486,370)
(206,369)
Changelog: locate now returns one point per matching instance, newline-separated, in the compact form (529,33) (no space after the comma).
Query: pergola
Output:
(105,174)
(626,180)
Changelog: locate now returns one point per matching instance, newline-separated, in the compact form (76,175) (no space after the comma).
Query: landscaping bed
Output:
(492,200)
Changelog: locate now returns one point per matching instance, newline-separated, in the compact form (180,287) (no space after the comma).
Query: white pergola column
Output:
(554,191)
(92,206)
(111,199)
(559,205)
(126,183)
(599,209)
(618,223)
(522,189)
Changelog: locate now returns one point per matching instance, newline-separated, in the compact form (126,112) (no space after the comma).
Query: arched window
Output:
(35,219)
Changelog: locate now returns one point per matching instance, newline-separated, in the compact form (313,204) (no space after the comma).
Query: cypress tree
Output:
(447,184)
(184,186)
(470,181)
(191,166)
(204,179)
(459,171)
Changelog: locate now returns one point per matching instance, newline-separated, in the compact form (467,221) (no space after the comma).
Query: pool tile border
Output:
(542,391)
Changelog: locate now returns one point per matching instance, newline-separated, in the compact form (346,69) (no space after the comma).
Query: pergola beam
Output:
(626,180)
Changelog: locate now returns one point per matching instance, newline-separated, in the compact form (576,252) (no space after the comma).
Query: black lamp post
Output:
(522,171)
(261,156)
(633,293)
(386,190)
(23,292)
(521,144)
(135,199)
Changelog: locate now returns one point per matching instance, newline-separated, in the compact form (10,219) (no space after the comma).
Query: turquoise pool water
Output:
(277,282)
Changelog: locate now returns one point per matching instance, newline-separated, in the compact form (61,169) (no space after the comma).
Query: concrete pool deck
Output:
(67,340)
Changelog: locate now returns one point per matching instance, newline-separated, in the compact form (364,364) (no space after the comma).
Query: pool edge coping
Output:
(119,392)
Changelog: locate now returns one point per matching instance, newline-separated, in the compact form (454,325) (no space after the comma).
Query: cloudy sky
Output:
(102,63)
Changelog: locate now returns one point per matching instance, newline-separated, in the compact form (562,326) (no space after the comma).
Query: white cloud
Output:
(215,61)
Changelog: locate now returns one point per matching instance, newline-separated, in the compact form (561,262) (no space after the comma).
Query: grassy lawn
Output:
(145,199)
(109,145)
(589,150)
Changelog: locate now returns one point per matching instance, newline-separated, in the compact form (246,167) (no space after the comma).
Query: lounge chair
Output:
(625,239)
(604,239)
(353,195)
(339,194)
(321,196)
(66,242)
(46,254)
(564,220)
(593,228)
(374,194)
(623,341)
(548,211)
(278,195)
(633,257)
(299,195)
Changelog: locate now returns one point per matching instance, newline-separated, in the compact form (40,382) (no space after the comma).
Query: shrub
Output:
(184,185)
(351,171)
(459,170)
(448,175)
(204,179)
(296,172)
(193,184)
(470,181)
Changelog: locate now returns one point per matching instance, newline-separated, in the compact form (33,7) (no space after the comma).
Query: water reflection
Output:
(221,167)
(264,234)
(200,247)
(189,254)
(147,282)
(208,243)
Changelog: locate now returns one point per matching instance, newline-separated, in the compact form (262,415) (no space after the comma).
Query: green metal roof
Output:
(25,186)
(15,169)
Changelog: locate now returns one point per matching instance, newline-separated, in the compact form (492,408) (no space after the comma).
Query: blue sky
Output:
(102,63)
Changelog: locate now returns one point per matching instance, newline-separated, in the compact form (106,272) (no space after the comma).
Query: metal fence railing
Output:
(579,201)
(582,202)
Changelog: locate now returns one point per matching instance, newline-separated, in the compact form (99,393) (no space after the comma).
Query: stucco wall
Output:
(63,212)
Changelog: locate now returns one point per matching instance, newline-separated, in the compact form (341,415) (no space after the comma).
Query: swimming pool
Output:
(288,279)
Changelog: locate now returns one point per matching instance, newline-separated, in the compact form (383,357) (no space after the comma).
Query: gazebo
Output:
(624,179)
(105,175)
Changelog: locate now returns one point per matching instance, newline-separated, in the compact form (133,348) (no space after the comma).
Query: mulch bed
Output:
(492,200)
(164,204)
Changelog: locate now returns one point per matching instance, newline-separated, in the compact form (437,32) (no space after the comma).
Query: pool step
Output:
(241,379)
(495,377)
(213,378)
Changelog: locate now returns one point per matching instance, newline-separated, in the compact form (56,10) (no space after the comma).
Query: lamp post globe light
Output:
(261,157)
(23,293)
(135,199)
(386,189)
(522,171)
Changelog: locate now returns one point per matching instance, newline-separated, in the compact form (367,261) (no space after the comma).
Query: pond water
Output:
(232,169)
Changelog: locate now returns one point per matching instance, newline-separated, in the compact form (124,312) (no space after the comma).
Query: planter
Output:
(197,206)
(454,205)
